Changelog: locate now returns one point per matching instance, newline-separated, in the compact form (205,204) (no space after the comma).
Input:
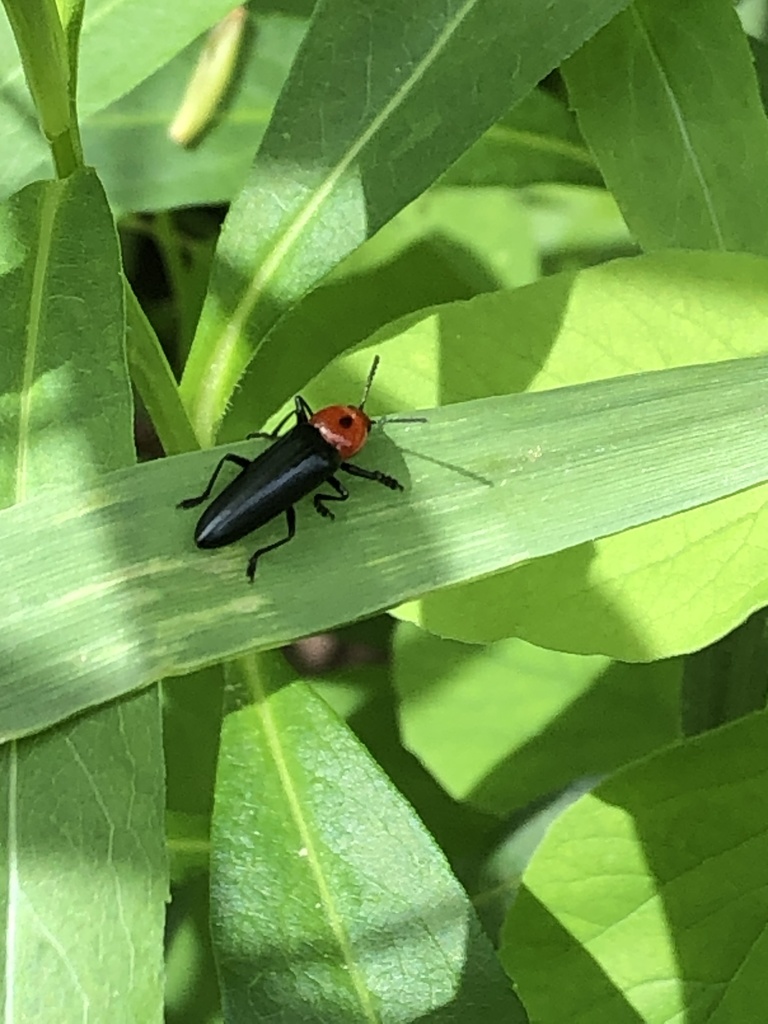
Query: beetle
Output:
(308,455)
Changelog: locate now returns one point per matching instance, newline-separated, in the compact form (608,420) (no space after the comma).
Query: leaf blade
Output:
(643,89)
(349,145)
(377,923)
(634,887)
(61,281)
(133,547)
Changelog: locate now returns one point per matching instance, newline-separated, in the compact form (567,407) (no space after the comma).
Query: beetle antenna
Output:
(368,383)
(399,419)
(385,419)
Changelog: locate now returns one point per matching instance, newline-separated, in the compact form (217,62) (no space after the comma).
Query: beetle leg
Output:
(372,474)
(271,435)
(229,457)
(302,412)
(341,495)
(290,518)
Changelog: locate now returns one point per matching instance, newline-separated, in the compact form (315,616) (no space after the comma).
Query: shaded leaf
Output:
(82,802)
(616,596)
(505,724)
(375,926)
(122,43)
(538,140)
(654,110)
(128,141)
(645,901)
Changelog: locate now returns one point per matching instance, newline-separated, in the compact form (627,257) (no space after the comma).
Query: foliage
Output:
(535,789)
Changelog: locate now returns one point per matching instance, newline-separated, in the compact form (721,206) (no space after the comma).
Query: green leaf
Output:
(681,142)
(373,112)
(62,323)
(330,901)
(129,599)
(503,725)
(614,596)
(427,255)
(645,900)
(483,235)
(83,867)
(83,801)
(503,870)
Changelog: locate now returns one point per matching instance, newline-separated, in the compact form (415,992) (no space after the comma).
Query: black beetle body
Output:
(297,462)
(290,469)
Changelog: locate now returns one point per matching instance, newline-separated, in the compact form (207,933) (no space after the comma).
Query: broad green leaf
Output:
(505,724)
(373,112)
(464,834)
(614,596)
(645,902)
(110,593)
(83,868)
(82,802)
(667,98)
(503,870)
(128,141)
(450,243)
(122,43)
(330,901)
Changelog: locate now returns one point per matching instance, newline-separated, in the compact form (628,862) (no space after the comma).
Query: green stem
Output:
(67,152)
(49,59)
(155,382)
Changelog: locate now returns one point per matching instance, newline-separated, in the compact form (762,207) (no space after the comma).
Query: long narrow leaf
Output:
(80,807)
(109,592)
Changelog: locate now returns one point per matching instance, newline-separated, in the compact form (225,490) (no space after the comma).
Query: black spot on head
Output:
(345,421)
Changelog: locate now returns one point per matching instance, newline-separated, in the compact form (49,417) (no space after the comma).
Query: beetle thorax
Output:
(346,427)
